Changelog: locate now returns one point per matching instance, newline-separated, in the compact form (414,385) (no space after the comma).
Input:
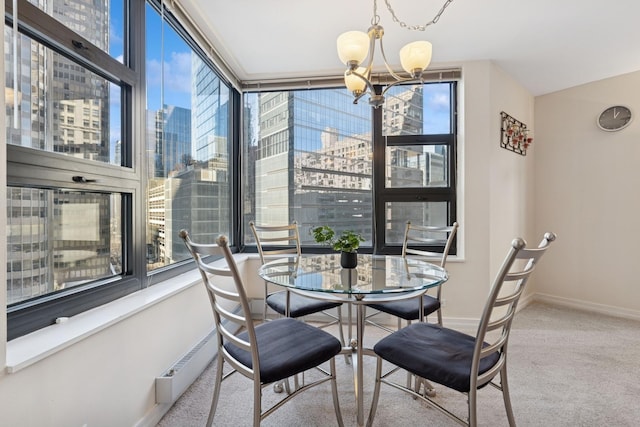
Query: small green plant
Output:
(348,241)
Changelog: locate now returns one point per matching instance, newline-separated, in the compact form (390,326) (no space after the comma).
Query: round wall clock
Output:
(614,118)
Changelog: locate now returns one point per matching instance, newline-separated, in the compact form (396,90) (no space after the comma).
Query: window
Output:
(68,197)
(77,193)
(102,23)
(308,158)
(315,157)
(418,149)
(188,135)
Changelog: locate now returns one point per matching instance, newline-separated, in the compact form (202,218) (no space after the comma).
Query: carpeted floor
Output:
(566,368)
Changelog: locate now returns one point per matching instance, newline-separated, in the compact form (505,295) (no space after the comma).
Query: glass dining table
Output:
(376,278)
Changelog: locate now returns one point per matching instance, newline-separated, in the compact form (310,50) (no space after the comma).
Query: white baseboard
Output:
(592,307)
(153,417)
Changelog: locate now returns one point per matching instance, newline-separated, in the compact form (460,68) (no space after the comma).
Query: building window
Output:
(416,160)
(296,168)
(314,157)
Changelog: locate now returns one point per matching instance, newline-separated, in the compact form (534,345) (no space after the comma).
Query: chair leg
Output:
(216,391)
(296,382)
(334,392)
(505,395)
(473,403)
(257,403)
(376,393)
(409,374)
(282,385)
(439,312)
(278,387)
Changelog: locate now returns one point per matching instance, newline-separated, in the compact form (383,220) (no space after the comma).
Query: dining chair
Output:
(459,361)
(266,353)
(416,237)
(285,240)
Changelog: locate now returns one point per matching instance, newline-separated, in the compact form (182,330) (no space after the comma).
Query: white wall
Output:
(496,186)
(511,182)
(586,191)
(107,379)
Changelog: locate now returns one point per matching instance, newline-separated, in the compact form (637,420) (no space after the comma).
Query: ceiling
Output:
(546,45)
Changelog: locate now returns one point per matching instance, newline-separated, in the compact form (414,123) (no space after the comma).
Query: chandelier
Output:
(354,47)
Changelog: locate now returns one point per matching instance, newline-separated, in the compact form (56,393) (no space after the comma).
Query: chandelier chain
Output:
(375,20)
(413,27)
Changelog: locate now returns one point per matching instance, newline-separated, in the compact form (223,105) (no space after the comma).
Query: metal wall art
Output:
(514,135)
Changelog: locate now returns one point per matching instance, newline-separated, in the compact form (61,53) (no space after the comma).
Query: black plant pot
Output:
(349,259)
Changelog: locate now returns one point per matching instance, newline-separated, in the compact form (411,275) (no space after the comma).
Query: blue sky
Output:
(177,65)
(436,104)
(162,40)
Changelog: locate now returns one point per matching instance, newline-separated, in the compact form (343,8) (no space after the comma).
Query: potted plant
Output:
(347,243)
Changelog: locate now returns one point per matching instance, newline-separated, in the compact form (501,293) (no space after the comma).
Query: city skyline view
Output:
(308,157)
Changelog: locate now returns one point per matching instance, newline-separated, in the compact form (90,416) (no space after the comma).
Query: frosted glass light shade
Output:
(353,46)
(415,56)
(355,83)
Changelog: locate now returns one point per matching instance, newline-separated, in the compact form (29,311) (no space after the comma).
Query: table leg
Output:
(358,351)
(359,369)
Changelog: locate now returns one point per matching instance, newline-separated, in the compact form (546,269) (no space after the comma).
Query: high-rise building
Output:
(173,140)
(196,199)
(191,177)
(318,172)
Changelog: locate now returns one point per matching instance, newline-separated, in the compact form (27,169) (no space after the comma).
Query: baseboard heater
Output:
(176,380)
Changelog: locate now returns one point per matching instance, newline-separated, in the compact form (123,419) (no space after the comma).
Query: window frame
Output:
(34,168)
(234,123)
(380,194)
(383,194)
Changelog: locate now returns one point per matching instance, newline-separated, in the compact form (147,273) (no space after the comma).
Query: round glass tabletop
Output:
(375,274)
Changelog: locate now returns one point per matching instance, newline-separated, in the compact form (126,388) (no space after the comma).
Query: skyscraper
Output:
(191,178)
(313,159)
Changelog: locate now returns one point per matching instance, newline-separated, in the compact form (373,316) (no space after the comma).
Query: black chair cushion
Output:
(407,309)
(287,347)
(438,354)
(298,305)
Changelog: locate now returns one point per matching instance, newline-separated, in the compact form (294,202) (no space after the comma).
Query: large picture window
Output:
(314,157)
(308,159)
(188,140)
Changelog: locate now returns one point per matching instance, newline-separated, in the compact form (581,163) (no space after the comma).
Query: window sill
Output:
(24,351)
